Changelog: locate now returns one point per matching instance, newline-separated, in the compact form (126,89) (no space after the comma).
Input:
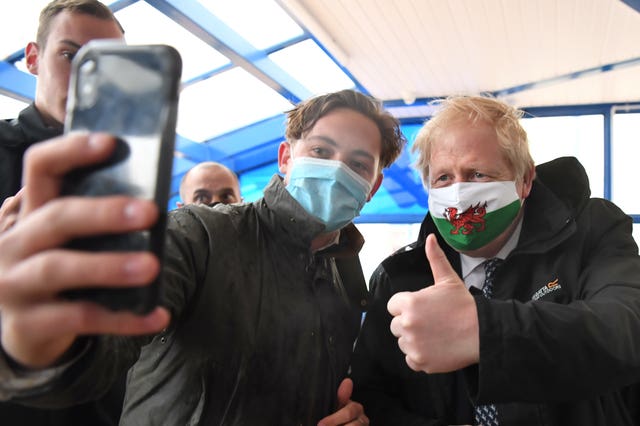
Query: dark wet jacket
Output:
(262,328)
(550,354)
(16,136)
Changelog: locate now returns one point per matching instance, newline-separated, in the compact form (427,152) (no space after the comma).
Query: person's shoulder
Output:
(10,132)
(218,215)
(406,260)
(567,179)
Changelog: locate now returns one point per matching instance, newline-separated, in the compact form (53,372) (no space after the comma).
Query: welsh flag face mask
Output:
(469,215)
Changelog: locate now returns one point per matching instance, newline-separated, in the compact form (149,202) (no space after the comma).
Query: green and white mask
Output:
(469,215)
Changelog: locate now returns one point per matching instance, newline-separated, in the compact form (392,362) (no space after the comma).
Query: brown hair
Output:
(53,9)
(305,115)
(502,117)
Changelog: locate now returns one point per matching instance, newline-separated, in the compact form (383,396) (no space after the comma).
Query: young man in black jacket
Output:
(64,26)
(545,335)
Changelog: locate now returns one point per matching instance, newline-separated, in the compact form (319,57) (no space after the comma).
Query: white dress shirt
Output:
(472,269)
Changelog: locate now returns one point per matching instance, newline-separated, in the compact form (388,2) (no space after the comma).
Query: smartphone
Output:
(131,92)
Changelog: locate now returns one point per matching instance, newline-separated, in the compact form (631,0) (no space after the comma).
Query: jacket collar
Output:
(30,128)
(292,221)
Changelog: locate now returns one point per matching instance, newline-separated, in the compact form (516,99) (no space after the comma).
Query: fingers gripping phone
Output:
(130,92)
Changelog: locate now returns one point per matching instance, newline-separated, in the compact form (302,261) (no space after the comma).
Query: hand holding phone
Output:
(130,92)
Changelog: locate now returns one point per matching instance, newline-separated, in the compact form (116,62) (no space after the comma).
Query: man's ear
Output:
(376,186)
(527,182)
(284,155)
(31,57)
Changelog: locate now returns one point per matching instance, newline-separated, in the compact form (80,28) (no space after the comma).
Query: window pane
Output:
(226,102)
(381,240)
(636,233)
(144,24)
(265,26)
(307,63)
(10,107)
(19,23)
(625,151)
(579,136)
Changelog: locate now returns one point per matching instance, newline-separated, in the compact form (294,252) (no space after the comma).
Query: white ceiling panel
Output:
(406,49)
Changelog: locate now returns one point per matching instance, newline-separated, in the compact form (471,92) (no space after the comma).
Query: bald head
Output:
(208,183)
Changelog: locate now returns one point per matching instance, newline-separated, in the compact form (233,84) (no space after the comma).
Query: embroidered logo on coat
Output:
(469,220)
(550,287)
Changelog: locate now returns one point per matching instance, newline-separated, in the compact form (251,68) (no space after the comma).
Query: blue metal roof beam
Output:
(614,66)
(206,26)
(248,137)
(634,4)
(16,83)
(569,76)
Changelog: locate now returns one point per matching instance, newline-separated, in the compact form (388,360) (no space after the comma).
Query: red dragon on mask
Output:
(469,220)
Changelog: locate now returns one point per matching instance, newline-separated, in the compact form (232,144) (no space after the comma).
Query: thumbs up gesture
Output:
(437,327)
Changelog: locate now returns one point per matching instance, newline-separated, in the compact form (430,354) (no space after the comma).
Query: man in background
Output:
(64,26)
(209,183)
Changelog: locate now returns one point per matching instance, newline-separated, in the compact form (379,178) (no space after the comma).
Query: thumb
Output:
(344,392)
(440,266)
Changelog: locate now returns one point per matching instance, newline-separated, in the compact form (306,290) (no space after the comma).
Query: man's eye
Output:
(358,166)
(320,152)
(69,55)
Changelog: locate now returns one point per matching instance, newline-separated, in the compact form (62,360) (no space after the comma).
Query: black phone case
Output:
(132,93)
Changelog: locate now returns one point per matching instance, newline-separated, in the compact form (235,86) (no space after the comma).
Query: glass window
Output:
(19,23)
(10,107)
(381,240)
(636,233)
(578,136)
(625,151)
(267,25)
(144,24)
(308,64)
(226,102)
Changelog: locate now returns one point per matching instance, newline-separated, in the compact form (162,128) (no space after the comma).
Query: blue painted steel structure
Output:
(15,83)
(203,24)
(635,4)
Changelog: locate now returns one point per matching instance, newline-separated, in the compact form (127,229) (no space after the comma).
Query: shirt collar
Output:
(468,263)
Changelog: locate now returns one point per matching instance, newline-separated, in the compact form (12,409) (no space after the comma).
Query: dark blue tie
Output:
(487,415)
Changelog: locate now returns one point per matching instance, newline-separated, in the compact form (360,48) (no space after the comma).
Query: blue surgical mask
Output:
(328,190)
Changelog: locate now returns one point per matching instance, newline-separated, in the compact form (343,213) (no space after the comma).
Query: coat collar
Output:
(29,128)
(289,219)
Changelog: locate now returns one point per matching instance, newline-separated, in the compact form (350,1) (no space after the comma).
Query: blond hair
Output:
(503,118)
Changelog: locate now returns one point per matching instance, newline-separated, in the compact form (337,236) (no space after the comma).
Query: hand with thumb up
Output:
(437,327)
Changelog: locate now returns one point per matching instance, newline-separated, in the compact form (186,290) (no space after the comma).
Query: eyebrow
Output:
(71,43)
(201,191)
(330,141)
